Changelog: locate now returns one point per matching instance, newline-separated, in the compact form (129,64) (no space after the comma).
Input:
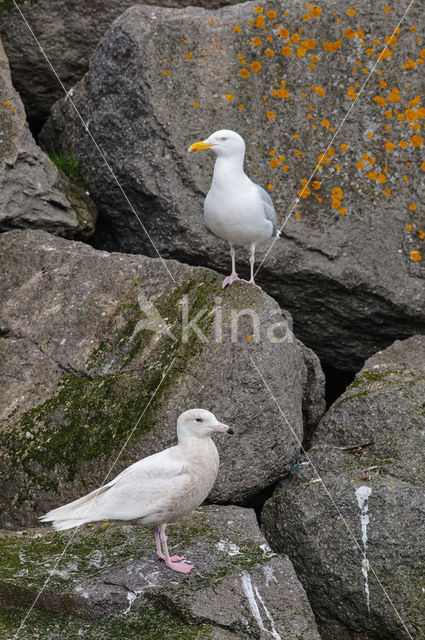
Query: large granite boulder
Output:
(109,583)
(356,534)
(100,349)
(33,192)
(68,33)
(349,265)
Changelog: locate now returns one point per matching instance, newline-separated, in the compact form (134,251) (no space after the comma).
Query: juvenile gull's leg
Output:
(233,276)
(158,546)
(181,567)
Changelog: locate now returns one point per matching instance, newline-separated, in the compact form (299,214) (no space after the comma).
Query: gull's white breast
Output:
(235,212)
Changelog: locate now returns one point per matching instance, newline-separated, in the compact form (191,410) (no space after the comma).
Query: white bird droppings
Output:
(228,547)
(362,494)
(252,594)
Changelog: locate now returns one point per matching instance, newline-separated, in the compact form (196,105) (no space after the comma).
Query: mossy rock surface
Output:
(105,579)
(99,363)
(356,534)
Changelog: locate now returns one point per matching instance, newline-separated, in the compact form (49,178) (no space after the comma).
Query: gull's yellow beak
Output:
(197,146)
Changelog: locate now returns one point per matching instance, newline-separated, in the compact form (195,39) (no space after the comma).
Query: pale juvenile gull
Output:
(161,488)
(236,209)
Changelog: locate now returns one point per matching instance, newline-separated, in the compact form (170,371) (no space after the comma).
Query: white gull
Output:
(161,488)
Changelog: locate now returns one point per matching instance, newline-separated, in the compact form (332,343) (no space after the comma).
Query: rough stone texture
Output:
(68,34)
(343,268)
(373,436)
(110,584)
(82,364)
(33,193)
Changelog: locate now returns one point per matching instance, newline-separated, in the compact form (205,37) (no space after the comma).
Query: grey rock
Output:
(110,578)
(370,441)
(343,268)
(94,344)
(68,34)
(33,193)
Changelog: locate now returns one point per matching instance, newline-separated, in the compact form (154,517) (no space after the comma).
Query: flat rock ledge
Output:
(109,583)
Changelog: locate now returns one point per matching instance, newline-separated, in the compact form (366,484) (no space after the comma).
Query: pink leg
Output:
(252,262)
(181,567)
(158,546)
(233,276)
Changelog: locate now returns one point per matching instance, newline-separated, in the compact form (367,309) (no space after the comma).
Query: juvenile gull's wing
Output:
(269,210)
(135,493)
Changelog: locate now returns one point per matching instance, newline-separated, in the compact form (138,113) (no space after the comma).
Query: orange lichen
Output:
(316,184)
(416,141)
(332,46)
(270,187)
(394,95)
(286,51)
(236,28)
(255,66)
(259,22)
(351,93)
(257,41)
(188,55)
(274,163)
(403,144)
(387,9)
(343,147)
(413,206)
(282,93)
(270,115)
(350,12)
(229,97)
(380,100)
(389,145)
(415,256)
(271,14)
(284,33)
(269,52)
(325,123)
(304,192)
(244,73)
(196,105)
(315,11)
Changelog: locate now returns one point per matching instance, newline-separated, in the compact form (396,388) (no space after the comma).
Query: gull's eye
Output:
(224,139)
(198,419)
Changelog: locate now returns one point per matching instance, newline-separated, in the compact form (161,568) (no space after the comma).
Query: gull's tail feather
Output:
(75,513)
(61,525)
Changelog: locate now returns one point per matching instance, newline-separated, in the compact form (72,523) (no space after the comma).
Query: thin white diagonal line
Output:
(94,142)
(333,137)
(362,551)
(16,636)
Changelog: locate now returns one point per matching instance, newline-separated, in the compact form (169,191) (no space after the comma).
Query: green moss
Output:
(66,162)
(154,623)
(371,376)
(91,418)
(93,551)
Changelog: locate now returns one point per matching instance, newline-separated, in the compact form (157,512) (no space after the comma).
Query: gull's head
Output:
(225,143)
(199,423)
